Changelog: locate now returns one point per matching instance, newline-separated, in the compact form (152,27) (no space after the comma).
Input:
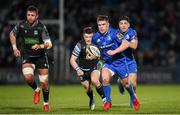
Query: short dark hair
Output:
(102,18)
(32,8)
(88,30)
(124,18)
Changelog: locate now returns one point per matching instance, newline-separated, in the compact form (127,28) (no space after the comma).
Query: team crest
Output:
(35,32)
(98,40)
(120,36)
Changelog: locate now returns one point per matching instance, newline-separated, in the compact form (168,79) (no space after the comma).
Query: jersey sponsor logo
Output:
(106,46)
(31,40)
(119,35)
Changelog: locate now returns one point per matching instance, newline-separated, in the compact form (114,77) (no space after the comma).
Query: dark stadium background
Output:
(156,22)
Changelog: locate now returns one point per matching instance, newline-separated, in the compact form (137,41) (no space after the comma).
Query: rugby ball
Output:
(93,50)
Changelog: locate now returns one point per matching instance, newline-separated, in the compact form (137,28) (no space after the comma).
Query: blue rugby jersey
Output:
(108,41)
(129,36)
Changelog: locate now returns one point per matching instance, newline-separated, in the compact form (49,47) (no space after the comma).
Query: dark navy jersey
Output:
(80,52)
(29,36)
(108,41)
(129,36)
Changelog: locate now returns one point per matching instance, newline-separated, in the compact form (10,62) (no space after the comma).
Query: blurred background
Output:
(156,22)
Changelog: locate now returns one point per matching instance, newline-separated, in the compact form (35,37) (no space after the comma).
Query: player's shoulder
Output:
(113,30)
(80,43)
(40,24)
(21,23)
(132,31)
(96,36)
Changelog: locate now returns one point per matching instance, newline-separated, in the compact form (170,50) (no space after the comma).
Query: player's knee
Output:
(95,82)
(86,87)
(105,81)
(125,83)
(44,81)
(28,71)
(28,77)
(43,78)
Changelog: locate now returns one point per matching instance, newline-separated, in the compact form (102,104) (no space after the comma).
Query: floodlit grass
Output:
(72,99)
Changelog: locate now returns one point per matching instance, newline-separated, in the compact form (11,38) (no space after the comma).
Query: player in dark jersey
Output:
(33,39)
(85,65)
(130,35)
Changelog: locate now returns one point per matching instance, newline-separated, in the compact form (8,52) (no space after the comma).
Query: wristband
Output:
(77,68)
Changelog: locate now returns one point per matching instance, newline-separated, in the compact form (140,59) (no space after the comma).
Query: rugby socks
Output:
(45,95)
(107,91)
(33,85)
(100,91)
(131,91)
(90,94)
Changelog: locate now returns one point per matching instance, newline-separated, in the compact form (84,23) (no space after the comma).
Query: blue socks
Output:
(107,91)
(131,91)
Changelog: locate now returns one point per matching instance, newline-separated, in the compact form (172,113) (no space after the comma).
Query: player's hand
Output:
(17,53)
(90,56)
(111,52)
(80,73)
(36,47)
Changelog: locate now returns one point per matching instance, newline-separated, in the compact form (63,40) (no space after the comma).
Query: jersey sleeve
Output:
(45,33)
(134,35)
(131,36)
(15,30)
(77,50)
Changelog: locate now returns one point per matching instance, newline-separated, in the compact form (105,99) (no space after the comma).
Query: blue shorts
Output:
(119,67)
(132,66)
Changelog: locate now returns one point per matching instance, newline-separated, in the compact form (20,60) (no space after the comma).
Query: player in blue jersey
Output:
(130,35)
(114,62)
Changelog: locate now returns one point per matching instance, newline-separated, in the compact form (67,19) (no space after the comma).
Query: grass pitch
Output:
(72,99)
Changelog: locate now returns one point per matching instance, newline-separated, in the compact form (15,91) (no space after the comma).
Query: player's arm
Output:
(46,39)
(124,45)
(73,60)
(12,36)
(133,44)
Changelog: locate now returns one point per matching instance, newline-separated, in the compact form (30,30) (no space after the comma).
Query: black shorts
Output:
(87,75)
(40,62)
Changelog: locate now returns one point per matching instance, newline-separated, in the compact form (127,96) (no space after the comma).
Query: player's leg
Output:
(106,74)
(129,87)
(43,72)
(28,72)
(95,75)
(133,80)
(132,68)
(43,78)
(120,86)
(87,86)
(122,72)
